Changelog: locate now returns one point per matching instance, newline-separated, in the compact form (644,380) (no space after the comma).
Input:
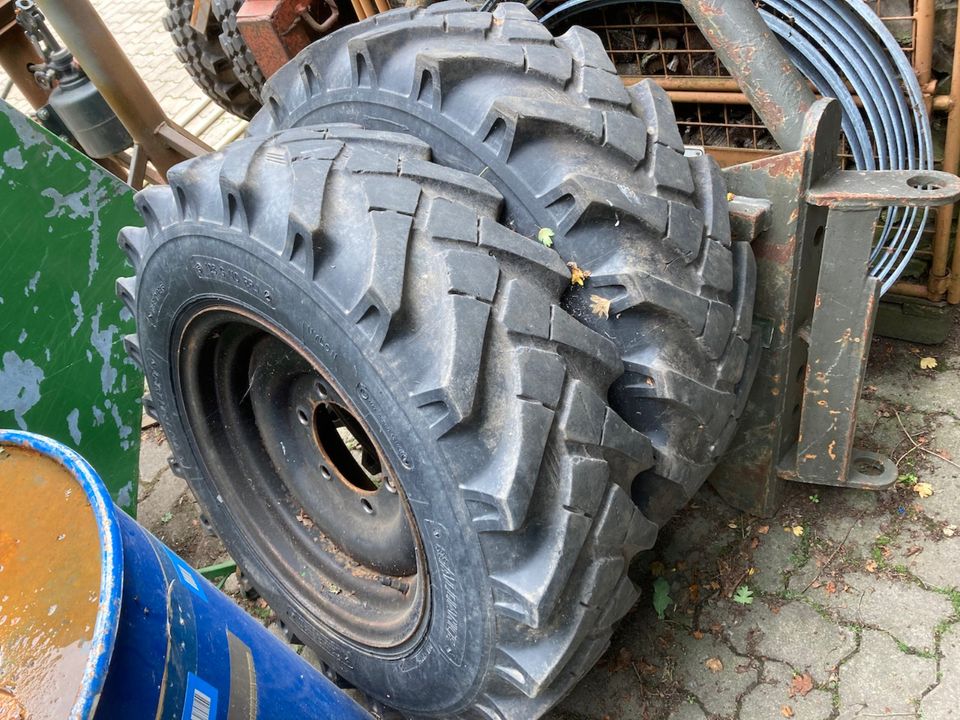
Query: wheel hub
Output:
(302,477)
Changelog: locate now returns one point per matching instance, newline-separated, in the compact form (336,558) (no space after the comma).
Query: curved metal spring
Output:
(847,52)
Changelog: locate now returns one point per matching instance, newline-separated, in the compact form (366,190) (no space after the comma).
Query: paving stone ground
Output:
(858,617)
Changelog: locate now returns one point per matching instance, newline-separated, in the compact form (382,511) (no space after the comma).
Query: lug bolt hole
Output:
(322,391)
(303,416)
(325,471)
(365,504)
(389,486)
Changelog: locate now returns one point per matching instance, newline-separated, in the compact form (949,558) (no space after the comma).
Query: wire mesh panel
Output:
(844,49)
(659,40)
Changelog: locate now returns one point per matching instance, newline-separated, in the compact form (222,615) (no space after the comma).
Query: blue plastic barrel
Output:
(99,619)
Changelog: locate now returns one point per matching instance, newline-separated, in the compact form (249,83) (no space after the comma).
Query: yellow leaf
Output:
(545,236)
(923,489)
(786,711)
(928,363)
(798,530)
(599,306)
(577,276)
(714,665)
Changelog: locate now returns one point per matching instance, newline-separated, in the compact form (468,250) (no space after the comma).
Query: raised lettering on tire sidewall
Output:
(459,587)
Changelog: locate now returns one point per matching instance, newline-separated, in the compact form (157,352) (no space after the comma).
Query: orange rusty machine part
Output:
(276,30)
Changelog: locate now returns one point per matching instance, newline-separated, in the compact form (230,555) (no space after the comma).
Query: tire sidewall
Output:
(455,649)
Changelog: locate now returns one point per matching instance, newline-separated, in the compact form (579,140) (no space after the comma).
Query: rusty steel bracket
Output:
(276,30)
(813,226)
(200,15)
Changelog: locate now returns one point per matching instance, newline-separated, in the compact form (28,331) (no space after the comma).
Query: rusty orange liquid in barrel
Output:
(49,586)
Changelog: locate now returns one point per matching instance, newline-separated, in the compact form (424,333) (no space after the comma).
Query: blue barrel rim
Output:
(111,565)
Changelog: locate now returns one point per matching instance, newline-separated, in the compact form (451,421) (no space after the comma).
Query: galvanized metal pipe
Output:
(98,53)
(745,45)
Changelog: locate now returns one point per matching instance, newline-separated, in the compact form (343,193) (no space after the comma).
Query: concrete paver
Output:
(714,674)
(795,634)
(881,679)
(943,702)
(773,694)
(902,608)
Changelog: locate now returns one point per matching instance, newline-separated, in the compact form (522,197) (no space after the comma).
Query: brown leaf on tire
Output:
(600,306)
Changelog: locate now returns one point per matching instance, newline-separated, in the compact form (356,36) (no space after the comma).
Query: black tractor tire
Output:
(549,123)
(206,62)
(244,64)
(390,274)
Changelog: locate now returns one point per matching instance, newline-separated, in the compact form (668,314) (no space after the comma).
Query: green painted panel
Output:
(63,370)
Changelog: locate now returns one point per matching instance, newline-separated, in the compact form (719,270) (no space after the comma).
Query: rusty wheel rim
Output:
(301,477)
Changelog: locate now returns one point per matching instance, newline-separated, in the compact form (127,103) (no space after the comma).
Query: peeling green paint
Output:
(63,370)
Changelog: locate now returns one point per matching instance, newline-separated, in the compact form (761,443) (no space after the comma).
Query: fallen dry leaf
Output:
(928,363)
(599,305)
(870,565)
(577,274)
(801,685)
(923,489)
(798,530)
(763,529)
(714,665)
(786,711)
(831,587)
(950,530)
(914,550)
(697,634)
(755,543)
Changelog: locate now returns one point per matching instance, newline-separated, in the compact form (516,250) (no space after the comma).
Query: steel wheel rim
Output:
(327,518)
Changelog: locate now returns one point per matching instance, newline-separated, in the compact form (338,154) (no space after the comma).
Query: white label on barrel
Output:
(200,701)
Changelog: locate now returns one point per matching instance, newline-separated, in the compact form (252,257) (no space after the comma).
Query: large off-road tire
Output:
(244,64)
(206,62)
(548,122)
(338,270)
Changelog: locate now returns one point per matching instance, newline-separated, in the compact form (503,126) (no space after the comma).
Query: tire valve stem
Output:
(395,583)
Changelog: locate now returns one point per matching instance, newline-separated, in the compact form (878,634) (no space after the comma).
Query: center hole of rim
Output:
(347,448)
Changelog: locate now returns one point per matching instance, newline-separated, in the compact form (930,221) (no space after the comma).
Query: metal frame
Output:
(158,140)
(943,283)
(816,304)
